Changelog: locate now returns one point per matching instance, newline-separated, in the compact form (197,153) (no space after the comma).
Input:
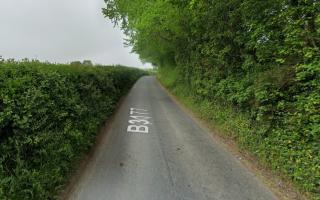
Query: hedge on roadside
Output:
(49,117)
(258,60)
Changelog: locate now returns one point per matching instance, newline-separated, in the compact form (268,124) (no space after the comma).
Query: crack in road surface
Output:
(155,151)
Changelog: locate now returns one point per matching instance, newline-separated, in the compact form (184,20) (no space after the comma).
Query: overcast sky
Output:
(61,31)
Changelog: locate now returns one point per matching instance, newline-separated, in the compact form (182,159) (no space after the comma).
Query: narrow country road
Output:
(155,151)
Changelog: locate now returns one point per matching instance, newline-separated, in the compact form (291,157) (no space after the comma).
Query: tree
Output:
(87,63)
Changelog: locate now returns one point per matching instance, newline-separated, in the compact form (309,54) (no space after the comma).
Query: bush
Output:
(290,145)
(256,60)
(49,117)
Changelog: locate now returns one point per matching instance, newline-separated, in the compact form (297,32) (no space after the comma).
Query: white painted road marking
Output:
(176,160)
(138,121)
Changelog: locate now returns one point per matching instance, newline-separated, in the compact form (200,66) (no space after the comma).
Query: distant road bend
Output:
(155,151)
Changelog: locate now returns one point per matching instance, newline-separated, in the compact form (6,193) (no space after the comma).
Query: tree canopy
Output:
(262,58)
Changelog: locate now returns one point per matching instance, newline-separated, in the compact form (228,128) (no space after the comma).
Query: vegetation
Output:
(256,61)
(49,117)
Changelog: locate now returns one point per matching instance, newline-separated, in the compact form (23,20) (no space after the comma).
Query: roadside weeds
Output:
(282,188)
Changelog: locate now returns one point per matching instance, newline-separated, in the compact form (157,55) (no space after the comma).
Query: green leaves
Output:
(261,58)
(49,116)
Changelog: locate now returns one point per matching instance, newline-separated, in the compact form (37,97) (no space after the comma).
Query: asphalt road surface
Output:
(154,151)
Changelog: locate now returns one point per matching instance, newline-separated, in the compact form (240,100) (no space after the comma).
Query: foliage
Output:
(49,116)
(260,59)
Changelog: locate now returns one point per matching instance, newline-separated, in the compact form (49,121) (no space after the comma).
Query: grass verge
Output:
(238,128)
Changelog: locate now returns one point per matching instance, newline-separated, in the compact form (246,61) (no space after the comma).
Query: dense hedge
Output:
(49,116)
(261,59)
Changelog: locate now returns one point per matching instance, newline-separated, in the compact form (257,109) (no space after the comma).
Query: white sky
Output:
(61,31)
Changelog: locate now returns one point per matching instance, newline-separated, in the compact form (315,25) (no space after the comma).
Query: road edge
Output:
(87,159)
(280,187)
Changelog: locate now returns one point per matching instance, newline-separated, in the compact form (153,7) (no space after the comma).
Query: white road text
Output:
(139,121)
